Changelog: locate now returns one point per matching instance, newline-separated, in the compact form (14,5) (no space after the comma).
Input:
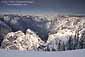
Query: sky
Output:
(43,6)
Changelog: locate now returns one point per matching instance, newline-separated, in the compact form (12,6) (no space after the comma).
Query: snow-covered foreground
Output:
(72,53)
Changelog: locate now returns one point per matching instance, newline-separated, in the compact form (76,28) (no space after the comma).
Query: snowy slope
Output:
(58,33)
(73,53)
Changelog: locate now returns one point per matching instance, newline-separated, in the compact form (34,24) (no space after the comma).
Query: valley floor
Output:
(13,53)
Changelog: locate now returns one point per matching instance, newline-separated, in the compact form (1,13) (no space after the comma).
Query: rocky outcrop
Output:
(58,33)
(35,23)
(65,34)
(20,41)
(66,40)
(4,29)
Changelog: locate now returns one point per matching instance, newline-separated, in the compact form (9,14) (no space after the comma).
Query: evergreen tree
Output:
(63,46)
(76,41)
(53,49)
(59,45)
(70,43)
(82,40)
(48,49)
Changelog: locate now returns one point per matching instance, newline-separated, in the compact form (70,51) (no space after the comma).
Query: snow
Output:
(13,53)
(55,31)
(21,41)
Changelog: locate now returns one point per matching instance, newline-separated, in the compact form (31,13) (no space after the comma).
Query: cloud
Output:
(17,2)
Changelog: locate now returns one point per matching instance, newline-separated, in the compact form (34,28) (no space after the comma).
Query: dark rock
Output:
(4,29)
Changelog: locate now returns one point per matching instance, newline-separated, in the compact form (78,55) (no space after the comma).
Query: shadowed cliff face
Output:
(59,33)
(35,23)
(4,29)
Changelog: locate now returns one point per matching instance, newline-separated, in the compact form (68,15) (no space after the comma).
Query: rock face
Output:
(20,41)
(58,33)
(35,23)
(65,34)
(4,29)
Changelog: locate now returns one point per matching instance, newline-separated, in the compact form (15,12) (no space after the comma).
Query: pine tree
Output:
(70,43)
(53,49)
(76,41)
(82,40)
(63,46)
(48,49)
(59,45)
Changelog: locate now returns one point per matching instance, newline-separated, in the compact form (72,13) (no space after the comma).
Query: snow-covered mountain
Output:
(20,41)
(66,33)
(58,32)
